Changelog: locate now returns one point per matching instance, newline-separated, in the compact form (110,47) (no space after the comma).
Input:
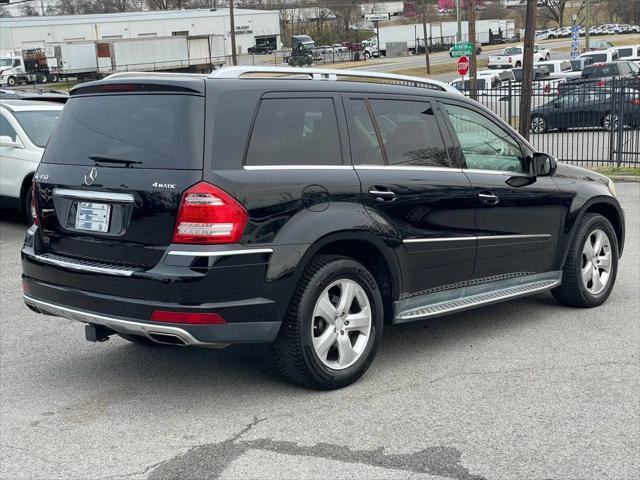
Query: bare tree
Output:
(168,4)
(28,10)
(346,12)
(554,10)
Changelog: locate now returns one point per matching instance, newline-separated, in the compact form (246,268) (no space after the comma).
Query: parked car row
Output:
(608,29)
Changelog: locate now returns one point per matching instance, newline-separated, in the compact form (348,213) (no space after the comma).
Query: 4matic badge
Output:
(170,186)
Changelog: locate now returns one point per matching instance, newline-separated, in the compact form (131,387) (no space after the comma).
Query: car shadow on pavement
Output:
(247,369)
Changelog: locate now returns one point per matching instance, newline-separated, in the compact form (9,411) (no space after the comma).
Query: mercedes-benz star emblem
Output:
(90,176)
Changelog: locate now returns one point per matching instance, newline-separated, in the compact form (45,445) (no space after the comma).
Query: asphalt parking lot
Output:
(522,390)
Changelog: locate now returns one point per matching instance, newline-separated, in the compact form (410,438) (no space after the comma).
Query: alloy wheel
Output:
(611,121)
(538,125)
(596,261)
(341,324)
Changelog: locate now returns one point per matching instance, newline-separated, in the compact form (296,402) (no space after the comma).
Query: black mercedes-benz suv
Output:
(302,208)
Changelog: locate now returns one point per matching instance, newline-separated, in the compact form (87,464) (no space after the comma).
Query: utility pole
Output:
(234,58)
(42,7)
(424,32)
(527,69)
(459,36)
(587,26)
(473,67)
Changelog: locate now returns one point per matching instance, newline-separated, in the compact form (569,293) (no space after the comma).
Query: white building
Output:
(36,32)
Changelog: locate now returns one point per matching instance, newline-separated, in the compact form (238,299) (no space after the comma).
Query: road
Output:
(526,389)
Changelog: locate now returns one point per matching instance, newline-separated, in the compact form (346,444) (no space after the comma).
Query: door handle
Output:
(382,194)
(488,198)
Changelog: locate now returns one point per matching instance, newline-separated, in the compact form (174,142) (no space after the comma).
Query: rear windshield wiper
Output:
(109,159)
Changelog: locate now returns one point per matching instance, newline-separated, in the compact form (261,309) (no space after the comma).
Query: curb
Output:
(625,178)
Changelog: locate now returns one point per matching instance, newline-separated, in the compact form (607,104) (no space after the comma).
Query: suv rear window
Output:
(295,131)
(151,131)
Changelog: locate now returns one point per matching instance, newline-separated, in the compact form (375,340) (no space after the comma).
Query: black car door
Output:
(517,215)
(420,200)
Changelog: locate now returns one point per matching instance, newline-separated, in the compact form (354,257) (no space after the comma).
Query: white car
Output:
(628,51)
(559,68)
(25,128)
(511,57)
(601,56)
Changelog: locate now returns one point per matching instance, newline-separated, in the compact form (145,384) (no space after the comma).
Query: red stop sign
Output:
(463,66)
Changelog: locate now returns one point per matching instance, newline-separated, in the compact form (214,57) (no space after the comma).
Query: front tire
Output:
(27,211)
(591,267)
(12,82)
(610,121)
(538,124)
(333,325)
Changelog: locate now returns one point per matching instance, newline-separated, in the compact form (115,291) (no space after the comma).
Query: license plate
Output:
(93,217)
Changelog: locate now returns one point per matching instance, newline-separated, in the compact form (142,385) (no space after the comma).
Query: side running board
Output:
(470,297)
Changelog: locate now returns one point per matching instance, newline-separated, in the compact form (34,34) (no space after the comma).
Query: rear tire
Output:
(586,282)
(518,64)
(333,325)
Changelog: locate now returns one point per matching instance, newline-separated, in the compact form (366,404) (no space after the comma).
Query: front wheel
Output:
(592,264)
(538,124)
(611,121)
(333,325)
(12,82)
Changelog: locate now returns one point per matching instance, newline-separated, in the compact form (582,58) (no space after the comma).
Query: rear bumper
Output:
(215,336)
(243,285)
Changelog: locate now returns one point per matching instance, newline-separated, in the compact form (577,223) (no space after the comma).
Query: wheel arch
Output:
(606,206)
(26,185)
(366,248)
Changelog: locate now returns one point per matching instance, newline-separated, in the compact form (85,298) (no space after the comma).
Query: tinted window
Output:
(365,147)
(625,52)
(484,144)
(159,131)
(38,125)
(608,70)
(410,133)
(598,57)
(295,131)
(6,130)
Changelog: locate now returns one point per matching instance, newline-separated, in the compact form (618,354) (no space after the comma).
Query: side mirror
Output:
(8,142)
(543,165)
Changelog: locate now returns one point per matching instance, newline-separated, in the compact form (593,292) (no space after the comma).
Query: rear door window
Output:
(410,133)
(149,131)
(295,131)
(365,147)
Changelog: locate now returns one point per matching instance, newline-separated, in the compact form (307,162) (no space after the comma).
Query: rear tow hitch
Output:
(97,333)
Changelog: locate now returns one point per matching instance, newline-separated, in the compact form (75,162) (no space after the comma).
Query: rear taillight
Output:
(34,205)
(510,59)
(601,83)
(167,316)
(635,101)
(209,215)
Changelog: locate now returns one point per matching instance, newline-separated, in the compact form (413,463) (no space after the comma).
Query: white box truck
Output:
(177,53)
(71,60)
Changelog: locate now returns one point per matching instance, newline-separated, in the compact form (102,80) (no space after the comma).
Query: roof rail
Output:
(147,74)
(333,74)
